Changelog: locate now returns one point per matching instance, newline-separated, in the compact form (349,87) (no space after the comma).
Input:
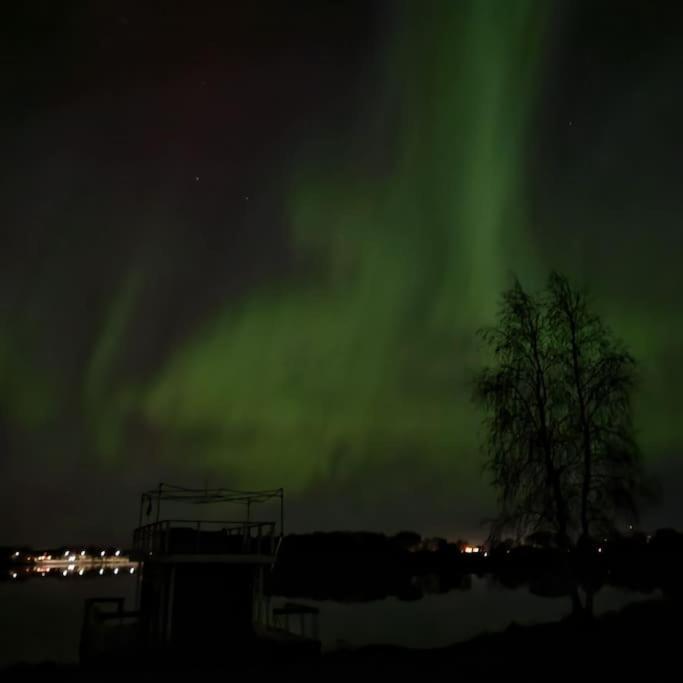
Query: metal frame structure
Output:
(180,494)
(255,537)
(163,541)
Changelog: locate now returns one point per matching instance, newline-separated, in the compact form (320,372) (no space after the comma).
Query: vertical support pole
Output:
(247,531)
(138,586)
(155,531)
(158,504)
(168,627)
(260,595)
(282,513)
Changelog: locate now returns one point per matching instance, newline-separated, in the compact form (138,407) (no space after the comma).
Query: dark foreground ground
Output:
(642,640)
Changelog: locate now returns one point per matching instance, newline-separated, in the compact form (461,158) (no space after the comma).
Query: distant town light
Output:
(80,572)
(102,554)
(630,527)
(101,572)
(49,557)
(82,553)
(72,558)
(16,554)
(132,570)
(486,554)
(66,554)
(43,574)
(64,573)
(14,575)
(116,571)
(71,567)
(117,553)
(599,550)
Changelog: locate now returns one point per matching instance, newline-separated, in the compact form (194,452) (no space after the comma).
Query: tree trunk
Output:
(585,427)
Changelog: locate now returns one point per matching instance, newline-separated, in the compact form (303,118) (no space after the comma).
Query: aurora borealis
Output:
(252,247)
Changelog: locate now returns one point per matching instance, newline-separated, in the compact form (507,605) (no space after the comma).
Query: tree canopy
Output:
(559,429)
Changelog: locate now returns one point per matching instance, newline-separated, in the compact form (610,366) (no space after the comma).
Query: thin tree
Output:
(524,448)
(599,376)
(557,402)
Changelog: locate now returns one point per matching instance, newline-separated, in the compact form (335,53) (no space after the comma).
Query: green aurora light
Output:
(364,354)
(374,360)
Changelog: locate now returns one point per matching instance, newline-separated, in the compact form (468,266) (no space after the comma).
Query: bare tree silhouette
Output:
(598,374)
(524,440)
(559,431)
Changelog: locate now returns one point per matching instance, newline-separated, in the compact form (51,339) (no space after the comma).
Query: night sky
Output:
(249,244)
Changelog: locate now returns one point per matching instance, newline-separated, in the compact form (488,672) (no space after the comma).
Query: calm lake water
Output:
(40,619)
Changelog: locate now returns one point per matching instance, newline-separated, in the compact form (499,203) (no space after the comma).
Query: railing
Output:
(183,536)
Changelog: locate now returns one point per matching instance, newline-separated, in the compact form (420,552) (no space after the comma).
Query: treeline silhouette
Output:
(362,566)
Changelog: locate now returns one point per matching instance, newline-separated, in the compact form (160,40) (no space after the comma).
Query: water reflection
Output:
(443,612)
(42,616)
(72,570)
(69,563)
